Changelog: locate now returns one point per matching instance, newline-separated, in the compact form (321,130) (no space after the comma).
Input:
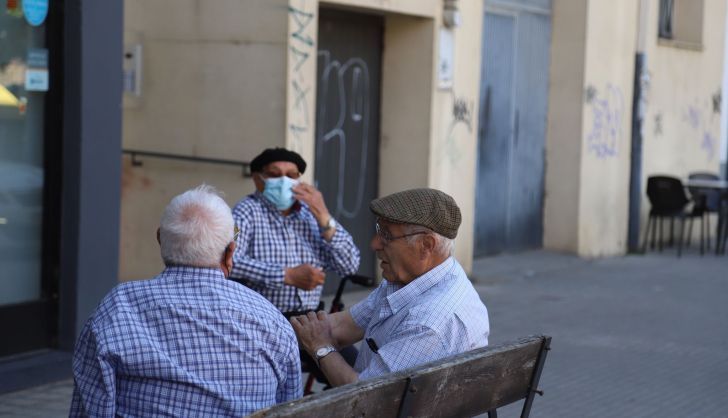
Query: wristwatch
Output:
(324,351)
(331,224)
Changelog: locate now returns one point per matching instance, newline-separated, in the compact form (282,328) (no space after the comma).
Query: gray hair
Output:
(443,245)
(196,227)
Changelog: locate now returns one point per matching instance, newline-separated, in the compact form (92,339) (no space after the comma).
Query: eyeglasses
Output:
(386,237)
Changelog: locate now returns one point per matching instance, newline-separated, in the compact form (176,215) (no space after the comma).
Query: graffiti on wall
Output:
(694,117)
(607,111)
(717,98)
(301,47)
(462,115)
(347,85)
(658,124)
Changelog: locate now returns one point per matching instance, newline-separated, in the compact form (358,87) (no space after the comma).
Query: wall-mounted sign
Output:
(36,75)
(35,11)
(446,59)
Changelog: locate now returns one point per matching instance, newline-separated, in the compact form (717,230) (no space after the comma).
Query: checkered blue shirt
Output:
(437,315)
(187,343)
(269,242)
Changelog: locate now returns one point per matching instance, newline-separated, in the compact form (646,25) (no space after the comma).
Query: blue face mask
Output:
(278,190)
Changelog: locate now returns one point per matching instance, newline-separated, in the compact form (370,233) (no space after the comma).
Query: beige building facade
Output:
(225,79)
(590,112)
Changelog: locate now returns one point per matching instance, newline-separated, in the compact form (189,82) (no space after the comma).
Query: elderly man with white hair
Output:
(187,342)
(424,310)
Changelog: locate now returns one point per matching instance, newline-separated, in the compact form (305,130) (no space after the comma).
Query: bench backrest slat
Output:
(464,385)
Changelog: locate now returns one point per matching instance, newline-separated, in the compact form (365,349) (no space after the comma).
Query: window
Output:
(666,10)
(681,22)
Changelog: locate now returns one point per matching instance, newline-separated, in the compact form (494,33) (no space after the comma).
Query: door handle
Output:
(516,125)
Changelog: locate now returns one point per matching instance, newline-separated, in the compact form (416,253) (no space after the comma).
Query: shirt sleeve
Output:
(94,392)
(259,274)
(363,311)
(342,255)
(292,387)
(409,347)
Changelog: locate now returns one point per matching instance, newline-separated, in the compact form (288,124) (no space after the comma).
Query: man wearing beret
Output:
(424,310)
(288,238)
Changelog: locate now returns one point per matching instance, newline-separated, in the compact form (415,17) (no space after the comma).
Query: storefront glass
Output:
(23,86)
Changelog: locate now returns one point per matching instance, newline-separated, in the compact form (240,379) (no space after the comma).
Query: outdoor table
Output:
(722,186)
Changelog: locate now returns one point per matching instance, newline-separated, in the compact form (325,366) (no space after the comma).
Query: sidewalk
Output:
(635,336)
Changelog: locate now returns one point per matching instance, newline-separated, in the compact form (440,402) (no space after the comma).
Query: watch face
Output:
(321,352)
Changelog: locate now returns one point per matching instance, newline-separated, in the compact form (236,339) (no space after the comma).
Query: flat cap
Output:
(430,208)
(272,155)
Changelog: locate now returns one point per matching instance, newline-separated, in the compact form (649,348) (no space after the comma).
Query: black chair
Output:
(706,202)
(668,201)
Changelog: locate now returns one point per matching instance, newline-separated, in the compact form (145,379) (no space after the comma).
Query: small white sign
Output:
(36,79)
(446,59)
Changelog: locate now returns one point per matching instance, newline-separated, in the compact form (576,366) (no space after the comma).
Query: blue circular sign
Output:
(35,11)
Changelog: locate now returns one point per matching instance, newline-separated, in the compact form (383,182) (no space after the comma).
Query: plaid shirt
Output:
(439,314)
(269,242)
(187,343)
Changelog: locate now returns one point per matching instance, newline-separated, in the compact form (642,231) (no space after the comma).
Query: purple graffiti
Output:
(708,145)
(693,116)
(606,133)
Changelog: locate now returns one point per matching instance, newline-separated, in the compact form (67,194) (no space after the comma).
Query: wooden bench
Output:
(464,385)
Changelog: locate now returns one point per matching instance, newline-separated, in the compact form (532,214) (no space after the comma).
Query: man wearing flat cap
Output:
(424,310)
(288,238)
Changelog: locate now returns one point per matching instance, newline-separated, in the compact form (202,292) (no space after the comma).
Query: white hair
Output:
(443,245)
(196,228)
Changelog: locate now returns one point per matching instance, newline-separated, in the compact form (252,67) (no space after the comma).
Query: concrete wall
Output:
(588,149)
(606,131)
(564,126)
(213,86)
(588,138)
(682,120)
(229,78)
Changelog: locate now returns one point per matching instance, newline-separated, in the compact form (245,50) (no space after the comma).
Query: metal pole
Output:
(638,112)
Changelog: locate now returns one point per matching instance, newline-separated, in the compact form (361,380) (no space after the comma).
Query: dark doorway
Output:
(347,122)
(514,99)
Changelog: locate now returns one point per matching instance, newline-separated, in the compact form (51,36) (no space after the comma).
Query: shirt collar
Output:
(193,273)
(405,294)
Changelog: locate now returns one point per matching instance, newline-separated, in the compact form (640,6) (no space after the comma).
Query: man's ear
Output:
(428,245)
(226,264)
(258,181)
(159,241)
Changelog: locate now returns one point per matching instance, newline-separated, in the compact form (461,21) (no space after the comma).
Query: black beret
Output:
(430,208)
(272,155)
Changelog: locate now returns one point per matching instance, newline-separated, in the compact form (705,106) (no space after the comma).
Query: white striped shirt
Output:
(437,315)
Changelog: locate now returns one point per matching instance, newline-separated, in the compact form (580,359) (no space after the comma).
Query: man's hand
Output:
(304,276)
(311,196)
(316,330)
(313,331)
